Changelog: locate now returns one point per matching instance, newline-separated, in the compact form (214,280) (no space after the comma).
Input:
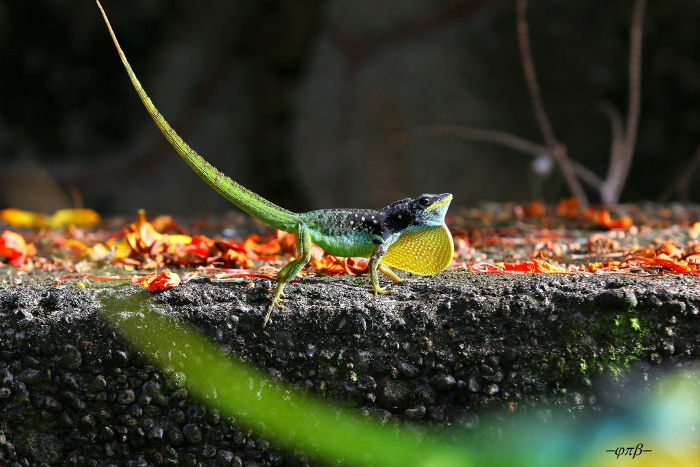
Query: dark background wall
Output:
(301,100)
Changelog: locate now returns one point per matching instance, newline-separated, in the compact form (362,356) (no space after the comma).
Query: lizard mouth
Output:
(443,201)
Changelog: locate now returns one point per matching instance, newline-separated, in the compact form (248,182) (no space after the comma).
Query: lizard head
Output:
(430,210)
(427,210)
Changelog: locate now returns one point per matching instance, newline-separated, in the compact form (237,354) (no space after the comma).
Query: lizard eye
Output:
(424,201)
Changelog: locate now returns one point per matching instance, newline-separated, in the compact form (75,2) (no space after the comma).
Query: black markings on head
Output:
(406,212)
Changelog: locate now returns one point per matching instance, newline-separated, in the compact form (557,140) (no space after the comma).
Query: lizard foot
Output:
(389,273)
(276,302)
(379,290)
(281,294)
(279,300)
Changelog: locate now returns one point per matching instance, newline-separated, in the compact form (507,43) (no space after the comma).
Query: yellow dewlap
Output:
(425,253)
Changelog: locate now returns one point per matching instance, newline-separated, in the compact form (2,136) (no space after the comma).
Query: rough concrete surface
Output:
(437,351)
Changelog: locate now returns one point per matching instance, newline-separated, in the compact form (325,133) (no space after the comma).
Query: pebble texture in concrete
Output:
(437,351)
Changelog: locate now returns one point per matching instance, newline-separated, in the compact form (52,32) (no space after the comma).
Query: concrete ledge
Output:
(437,351)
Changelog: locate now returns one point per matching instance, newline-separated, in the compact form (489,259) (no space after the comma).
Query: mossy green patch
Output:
(607,345)
(621,336)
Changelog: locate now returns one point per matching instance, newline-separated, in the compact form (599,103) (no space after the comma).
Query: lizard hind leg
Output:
(292,268)
(389,273)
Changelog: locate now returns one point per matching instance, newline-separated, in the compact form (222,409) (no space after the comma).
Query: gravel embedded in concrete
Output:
(437,351)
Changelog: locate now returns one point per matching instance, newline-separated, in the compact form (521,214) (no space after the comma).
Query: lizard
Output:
(409,234)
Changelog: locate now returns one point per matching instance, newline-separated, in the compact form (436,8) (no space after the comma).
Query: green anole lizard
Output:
(409,234)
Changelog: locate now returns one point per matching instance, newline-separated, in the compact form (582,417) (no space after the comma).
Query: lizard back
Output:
(346,232)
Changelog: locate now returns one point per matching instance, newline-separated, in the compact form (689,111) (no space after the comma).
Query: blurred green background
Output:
(301,100)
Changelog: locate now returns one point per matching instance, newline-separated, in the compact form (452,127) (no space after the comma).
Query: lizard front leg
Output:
(374,265)
(292,268)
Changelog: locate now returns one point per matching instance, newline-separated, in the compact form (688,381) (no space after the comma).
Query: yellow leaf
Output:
(19,218)
(122,249)
(78,217)
(77,246)
(178,238)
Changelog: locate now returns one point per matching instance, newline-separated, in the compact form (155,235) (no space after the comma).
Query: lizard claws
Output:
(279,298)
(379,290)
(281,294)
(276,302)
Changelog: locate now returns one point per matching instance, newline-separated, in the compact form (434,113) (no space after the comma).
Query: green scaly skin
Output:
(341,232)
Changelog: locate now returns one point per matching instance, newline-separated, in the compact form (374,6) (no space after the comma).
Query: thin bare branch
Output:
(624,145)
(617,132)
(493,136)
(556,149)
(635,78)
(587,175)
(531,75)
(624,139)
(474,134)
(609,189)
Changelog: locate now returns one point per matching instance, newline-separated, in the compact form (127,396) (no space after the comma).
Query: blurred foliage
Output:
(269,407)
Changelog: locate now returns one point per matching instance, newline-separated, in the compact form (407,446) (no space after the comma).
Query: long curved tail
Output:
(239,195)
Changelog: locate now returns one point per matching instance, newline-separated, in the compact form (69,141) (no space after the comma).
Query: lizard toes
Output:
(281,294)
